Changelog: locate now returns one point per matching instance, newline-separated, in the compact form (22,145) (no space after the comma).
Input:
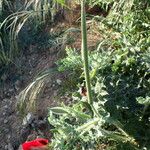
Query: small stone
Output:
(17,96)
(11,90)
(5,121)
(20,147)
(10,147)
(27,119)
(10,118)
(48,97)
(5,100)
(58,81)
(9,136)
(10,102)
(17,113)
(17,85)
(6,107)
(4,113)
(6,131)
(55,93)
(4,77)
(8,94)
(6,147)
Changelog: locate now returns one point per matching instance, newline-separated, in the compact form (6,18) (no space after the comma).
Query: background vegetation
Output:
(118,114)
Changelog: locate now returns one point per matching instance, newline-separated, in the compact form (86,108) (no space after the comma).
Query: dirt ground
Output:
(12,130)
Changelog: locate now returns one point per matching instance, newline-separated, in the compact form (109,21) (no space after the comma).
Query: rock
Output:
(4,113)
(6,147)
(58,81)
(11,90)
(17,85)
(28,119)
(6,131)
(10,147)
(17,96)
(55,93)
(10,118)
(10,102)
(20,147)
(17,113)
(8,94)
(9,136)
(5,100)
(6,107)
(5,121)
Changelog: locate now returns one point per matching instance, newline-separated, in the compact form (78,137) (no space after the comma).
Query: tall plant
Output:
(69,133)
(85,52)
(120,77)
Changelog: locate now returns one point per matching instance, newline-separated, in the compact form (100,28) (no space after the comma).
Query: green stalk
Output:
(85,57)
(85,52)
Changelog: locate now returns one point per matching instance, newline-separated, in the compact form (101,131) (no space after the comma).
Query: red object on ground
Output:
(39,142)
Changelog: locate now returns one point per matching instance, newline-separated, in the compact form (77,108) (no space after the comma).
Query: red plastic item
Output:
(39,142)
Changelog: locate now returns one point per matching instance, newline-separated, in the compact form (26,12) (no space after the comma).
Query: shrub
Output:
(120,80)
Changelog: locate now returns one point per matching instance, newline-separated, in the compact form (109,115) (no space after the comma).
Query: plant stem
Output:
(85,52)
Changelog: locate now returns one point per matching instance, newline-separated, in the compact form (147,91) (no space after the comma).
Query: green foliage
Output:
(17,16)
(103,3)
(119,70)
(73,61)
(75,129)
(144,101)
(27,99)
(120,81)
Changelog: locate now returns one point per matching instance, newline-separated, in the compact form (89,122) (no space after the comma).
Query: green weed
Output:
(120,95)
(117,79)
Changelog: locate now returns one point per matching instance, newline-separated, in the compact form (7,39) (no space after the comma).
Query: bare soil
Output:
(12,130)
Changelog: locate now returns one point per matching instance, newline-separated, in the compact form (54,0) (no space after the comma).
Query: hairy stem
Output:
(85,52)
